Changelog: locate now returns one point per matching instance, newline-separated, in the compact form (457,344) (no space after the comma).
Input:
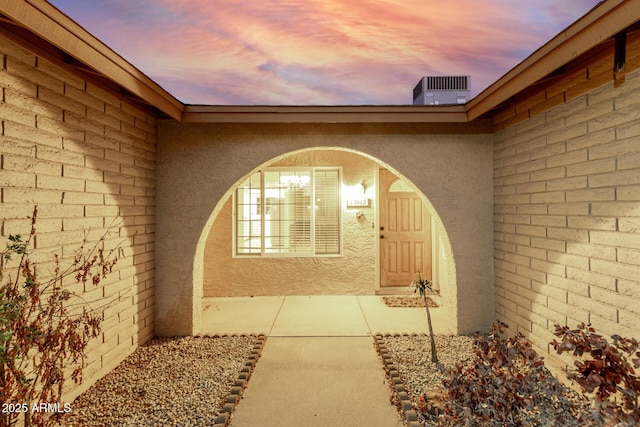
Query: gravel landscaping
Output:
(407,361)
(168,382)
(411,356)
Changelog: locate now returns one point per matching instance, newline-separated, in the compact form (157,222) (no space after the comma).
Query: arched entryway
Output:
(359,267)
(200,164)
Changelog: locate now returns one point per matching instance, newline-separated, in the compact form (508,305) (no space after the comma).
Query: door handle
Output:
(382,236)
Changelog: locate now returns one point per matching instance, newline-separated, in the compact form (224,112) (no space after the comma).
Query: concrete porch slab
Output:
(383,319)
(240,315)
(320,316)
(347,315)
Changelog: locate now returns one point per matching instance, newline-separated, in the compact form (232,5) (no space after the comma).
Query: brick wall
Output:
(567,202)
(84,157)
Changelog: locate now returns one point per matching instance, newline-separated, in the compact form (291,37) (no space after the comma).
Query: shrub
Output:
(608,376)
(41,335)
(507,384)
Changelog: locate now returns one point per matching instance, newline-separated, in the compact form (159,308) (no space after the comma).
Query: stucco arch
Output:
(368,272)
(199,165)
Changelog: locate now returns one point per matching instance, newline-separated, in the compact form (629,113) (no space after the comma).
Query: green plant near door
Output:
(421,286)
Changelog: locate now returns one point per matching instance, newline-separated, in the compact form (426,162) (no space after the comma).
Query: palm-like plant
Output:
(422,286)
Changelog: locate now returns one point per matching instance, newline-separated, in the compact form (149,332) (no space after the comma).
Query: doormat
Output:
(408,302)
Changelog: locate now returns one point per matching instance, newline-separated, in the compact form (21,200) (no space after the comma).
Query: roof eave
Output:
(601,23)
(51,25)
(325,114)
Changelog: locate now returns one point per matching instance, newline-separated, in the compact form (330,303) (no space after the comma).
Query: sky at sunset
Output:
(320,52)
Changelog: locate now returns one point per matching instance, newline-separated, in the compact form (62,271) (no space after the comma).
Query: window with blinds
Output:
(289,212)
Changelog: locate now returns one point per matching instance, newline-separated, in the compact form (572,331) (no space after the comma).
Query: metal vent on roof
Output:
(447,82)
(433,90)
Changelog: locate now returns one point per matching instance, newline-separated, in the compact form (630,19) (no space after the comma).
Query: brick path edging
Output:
(401,396)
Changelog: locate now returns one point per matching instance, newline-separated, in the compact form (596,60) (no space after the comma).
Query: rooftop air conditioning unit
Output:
(438,90)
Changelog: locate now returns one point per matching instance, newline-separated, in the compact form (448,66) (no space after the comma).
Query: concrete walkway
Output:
(318,366)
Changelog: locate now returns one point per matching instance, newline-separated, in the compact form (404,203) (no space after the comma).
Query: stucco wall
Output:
(352,273)
(567,204)
(83,157)
(199,163)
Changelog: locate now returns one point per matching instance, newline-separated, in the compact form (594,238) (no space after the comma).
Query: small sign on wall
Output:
(358,203)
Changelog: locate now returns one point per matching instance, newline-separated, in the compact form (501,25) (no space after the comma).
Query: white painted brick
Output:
(591,251)
(548,197)
(551,244)
(517,238)
(613,119)
(531,187)
(628,256)
(81,198)
(58,99)
(568,234)
(616,209)
(592,223)
(568,259)
(29,133)
(630,192)
(591,139)
(59,183)
(532,253)
(574,314)
(625,177)
(629,225)
(616,300)
(593,307)
(532,274)
(514,178)
(44,80)
(549,173)
(60,156)
(535,165)
(630,131)
(598,194)
(573,183)
(549,267)
(549,220)
(548,151)
(531,230)
(532,209)
(614,149)
(30,196)
(591,278)
(616,269)
(17,179)
(552,316)
(618,239)
(629,288)
(592,167)
(524,144)
(593,112)
(608,327)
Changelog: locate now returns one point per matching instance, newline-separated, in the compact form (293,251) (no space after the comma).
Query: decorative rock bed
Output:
(407,363)
(172,382)
(407,302)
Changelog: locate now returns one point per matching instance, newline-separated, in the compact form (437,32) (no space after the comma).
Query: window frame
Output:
(262,209)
